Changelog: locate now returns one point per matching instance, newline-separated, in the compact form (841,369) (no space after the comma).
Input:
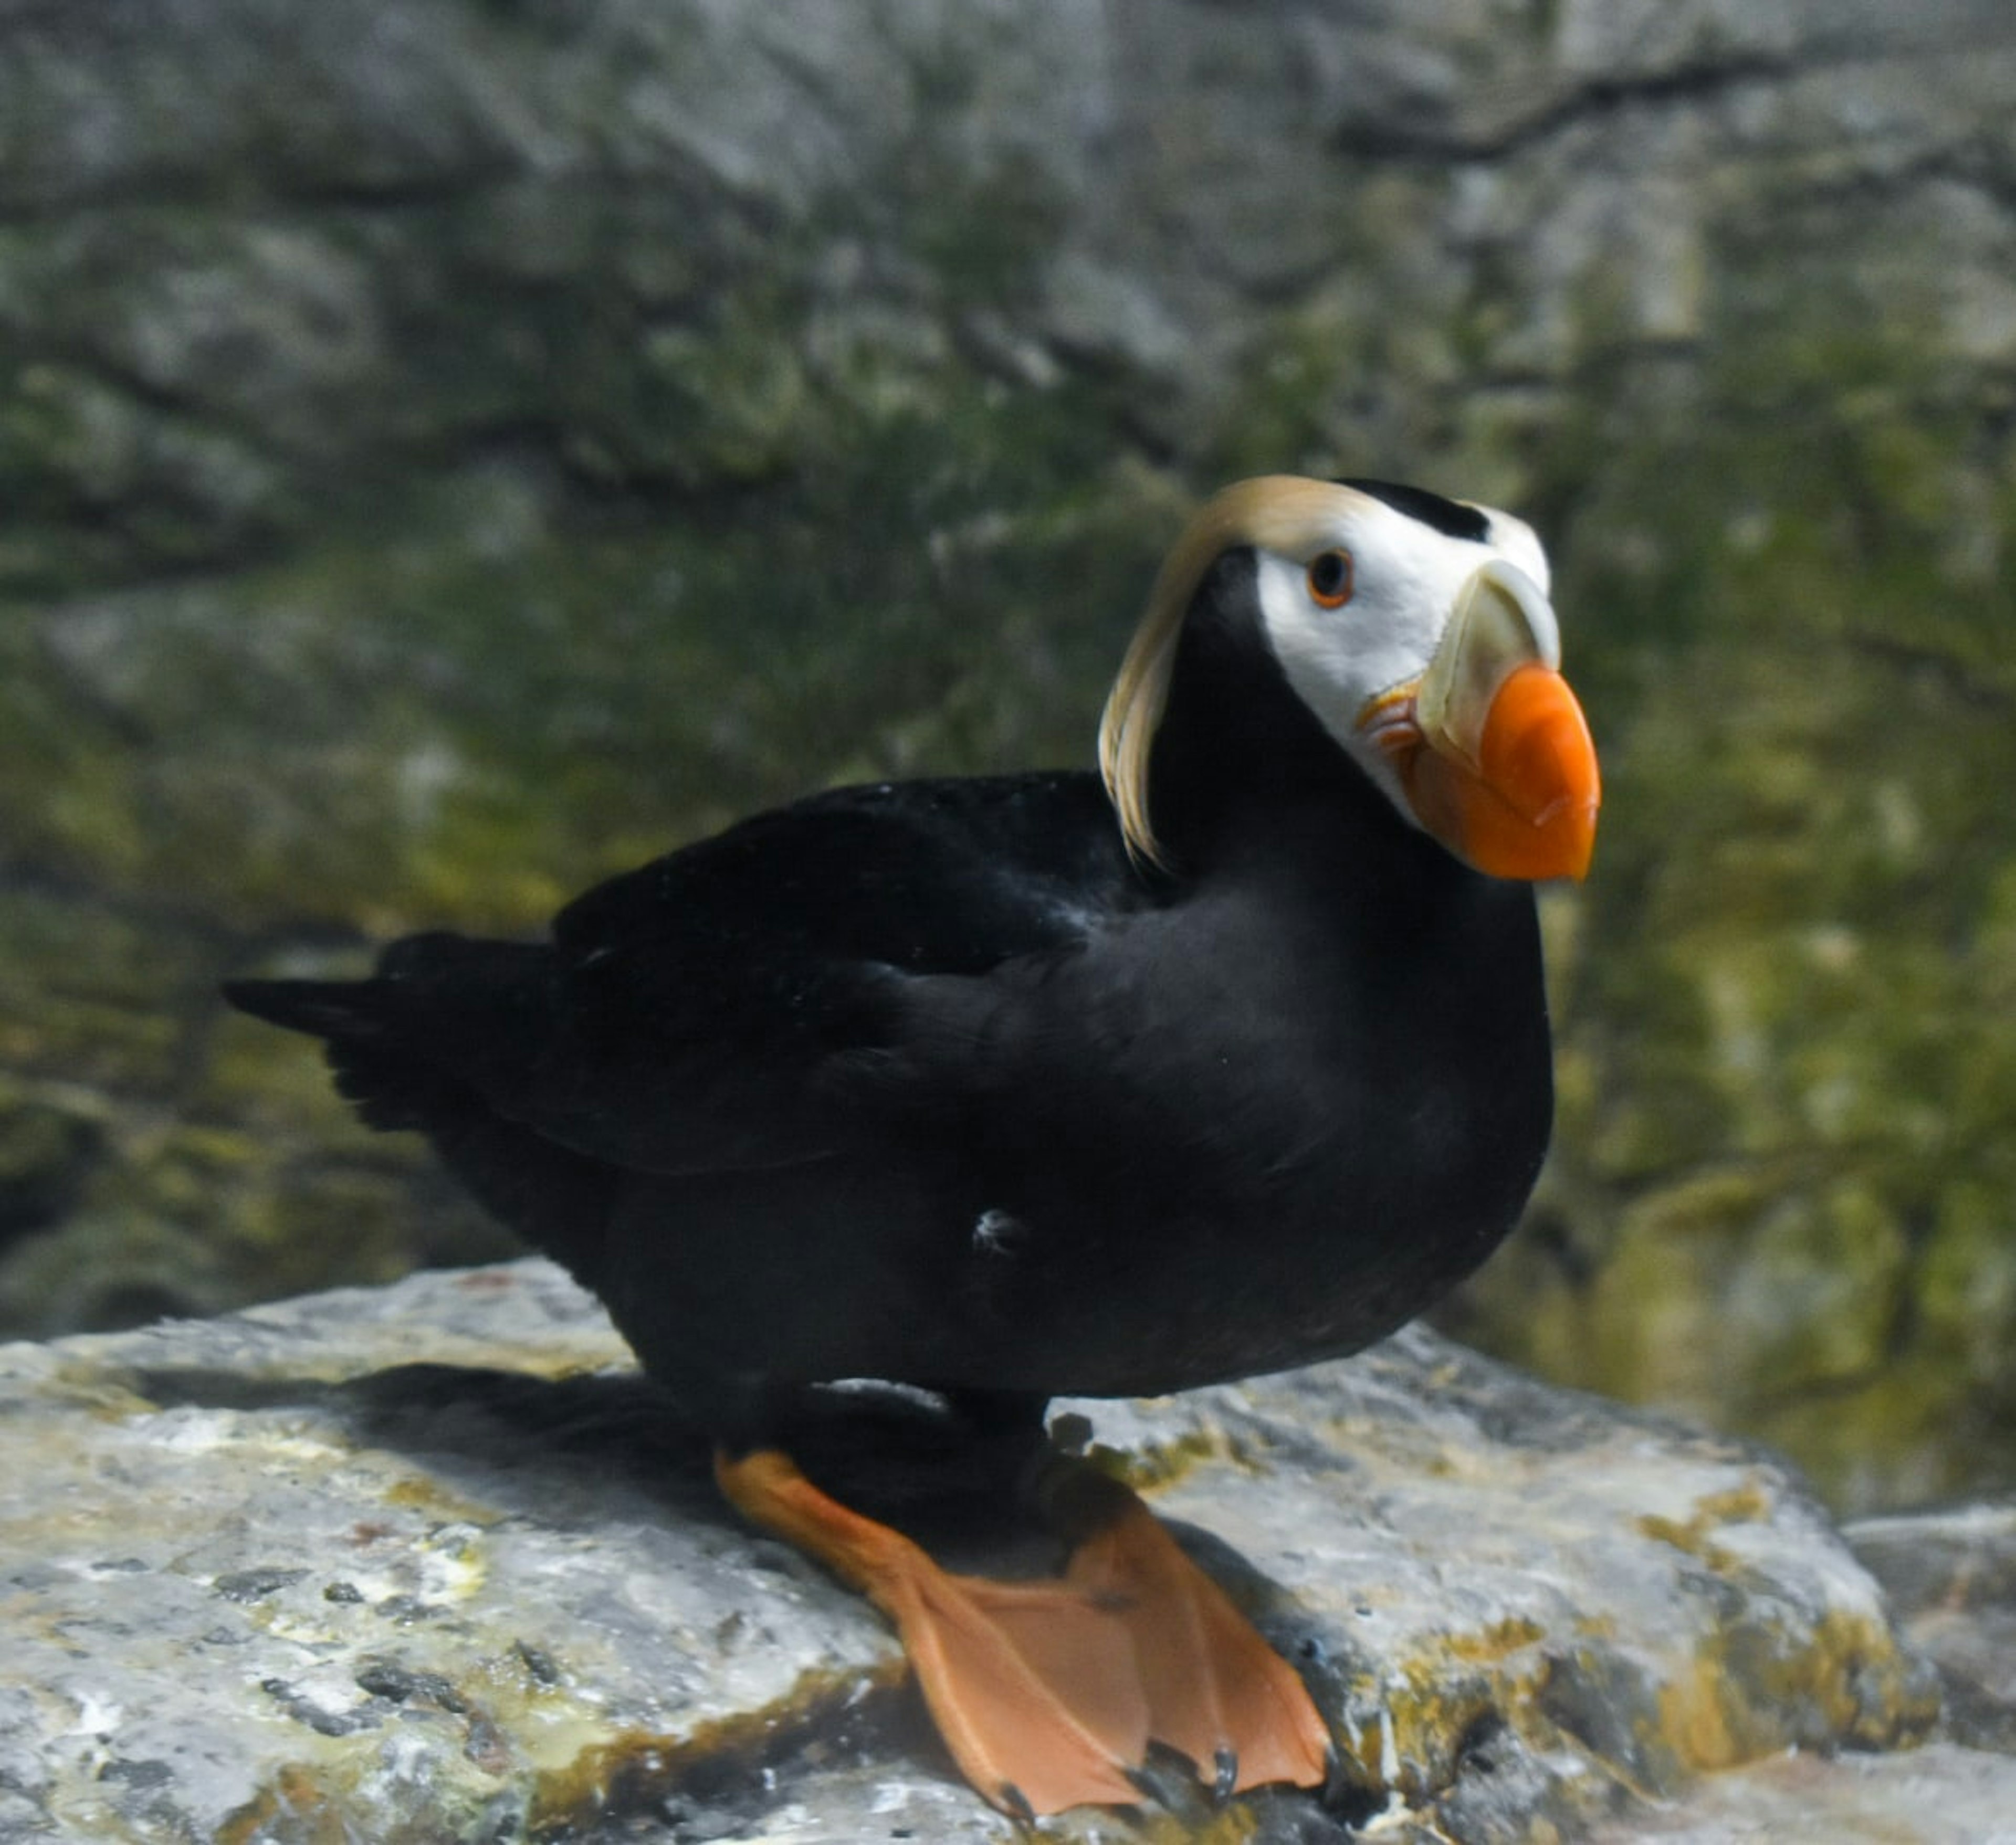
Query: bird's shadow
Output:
(896,1455)
(598,1439)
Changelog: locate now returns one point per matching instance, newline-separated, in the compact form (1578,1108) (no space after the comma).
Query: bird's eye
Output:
(1330,578)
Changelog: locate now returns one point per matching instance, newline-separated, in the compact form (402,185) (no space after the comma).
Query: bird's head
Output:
(1417,629)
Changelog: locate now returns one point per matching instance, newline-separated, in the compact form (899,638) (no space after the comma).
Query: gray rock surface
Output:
(1940,1795)
(428,1562)
(1950,1577)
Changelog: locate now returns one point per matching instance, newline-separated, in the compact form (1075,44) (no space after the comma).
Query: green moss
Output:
(1815,1290)
(1784,1051)
(624,521)
(1966,1294)
(48,1152)
(90,997)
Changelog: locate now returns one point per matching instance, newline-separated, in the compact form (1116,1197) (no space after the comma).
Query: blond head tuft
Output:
(1281,512)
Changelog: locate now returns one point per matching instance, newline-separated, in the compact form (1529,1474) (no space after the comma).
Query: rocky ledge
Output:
(431,1563)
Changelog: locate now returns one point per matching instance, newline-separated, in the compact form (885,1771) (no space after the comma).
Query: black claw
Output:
(1168,1779)
(1016,1802)
(1225,1772)
(1071,1433)
(1150,1789)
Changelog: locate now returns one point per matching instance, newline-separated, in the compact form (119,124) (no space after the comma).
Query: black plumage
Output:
(930,1081)
(940,1082)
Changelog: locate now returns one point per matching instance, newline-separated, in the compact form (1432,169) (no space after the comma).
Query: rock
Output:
(1937,1795)
(1951,1578)
(450,454)
(431,1562)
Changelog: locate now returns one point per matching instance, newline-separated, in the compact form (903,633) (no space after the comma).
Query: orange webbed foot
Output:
(1217,1692)
(1048,1693)
(1034,1686)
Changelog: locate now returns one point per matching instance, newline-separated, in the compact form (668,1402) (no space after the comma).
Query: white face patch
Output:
(1407,577)
(1516,542)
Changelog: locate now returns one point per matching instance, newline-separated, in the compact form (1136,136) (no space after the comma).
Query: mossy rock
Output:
(442,464)
(1785,1030)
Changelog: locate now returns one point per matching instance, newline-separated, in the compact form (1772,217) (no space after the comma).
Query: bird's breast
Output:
(1304,1201)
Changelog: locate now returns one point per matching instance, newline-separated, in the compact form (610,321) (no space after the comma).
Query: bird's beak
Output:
(1500,766)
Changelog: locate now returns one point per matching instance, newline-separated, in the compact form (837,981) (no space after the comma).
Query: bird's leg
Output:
(1033,1686)
(1216,1691)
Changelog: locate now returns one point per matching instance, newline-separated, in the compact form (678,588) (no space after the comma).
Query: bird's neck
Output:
(1238,756)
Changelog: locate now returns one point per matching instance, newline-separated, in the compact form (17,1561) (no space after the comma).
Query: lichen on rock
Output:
(432,1561)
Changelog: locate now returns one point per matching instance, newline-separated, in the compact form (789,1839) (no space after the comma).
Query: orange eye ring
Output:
(1331,579)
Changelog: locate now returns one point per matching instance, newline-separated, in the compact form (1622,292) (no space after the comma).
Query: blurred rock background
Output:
(451,450)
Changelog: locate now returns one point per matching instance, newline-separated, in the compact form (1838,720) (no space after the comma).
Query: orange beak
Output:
(1492,750)
(1528,808)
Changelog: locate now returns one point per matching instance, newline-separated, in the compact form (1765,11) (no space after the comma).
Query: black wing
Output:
(691,1015)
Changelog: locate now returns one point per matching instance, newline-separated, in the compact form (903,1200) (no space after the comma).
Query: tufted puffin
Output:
(1228,1058)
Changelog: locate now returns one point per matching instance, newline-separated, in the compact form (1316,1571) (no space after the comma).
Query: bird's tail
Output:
(366,1043)
(392,1041)
(419,1046)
